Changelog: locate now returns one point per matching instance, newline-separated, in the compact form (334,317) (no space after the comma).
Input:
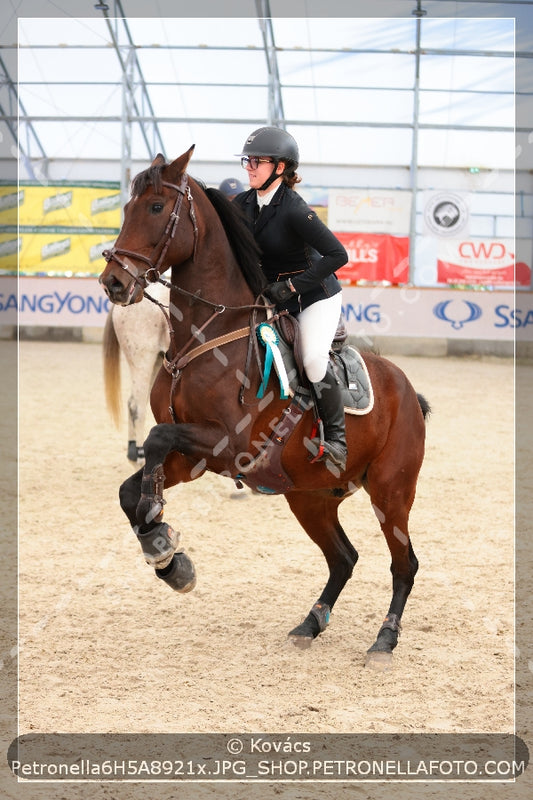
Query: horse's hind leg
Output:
(317,514)
(392,501)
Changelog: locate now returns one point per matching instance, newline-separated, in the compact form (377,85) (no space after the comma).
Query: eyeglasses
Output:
(254,161)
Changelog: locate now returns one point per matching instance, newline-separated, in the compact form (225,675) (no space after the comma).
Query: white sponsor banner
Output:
(368,311)
(52,302)
(438,313)
(488,262)
(369,211)
(478,253)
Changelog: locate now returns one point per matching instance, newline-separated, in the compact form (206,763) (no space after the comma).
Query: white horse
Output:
(141,332)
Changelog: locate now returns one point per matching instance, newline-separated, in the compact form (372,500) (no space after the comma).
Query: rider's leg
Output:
(318,325)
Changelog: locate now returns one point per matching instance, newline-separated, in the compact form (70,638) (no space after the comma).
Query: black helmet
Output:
(275,142)
(231,186)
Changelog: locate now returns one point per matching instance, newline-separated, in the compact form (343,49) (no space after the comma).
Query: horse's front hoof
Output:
(378,660)
(300,642)
(180,574)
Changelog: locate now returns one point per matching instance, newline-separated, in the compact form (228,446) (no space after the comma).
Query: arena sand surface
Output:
(105,647)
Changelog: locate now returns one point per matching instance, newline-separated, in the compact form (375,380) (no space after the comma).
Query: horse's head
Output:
(150,234)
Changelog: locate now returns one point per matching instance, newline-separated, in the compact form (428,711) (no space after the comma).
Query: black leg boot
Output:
(331,409)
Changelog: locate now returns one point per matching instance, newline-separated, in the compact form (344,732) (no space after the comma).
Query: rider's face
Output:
(259,170)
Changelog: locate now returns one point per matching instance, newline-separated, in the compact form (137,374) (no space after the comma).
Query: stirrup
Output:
(329,451)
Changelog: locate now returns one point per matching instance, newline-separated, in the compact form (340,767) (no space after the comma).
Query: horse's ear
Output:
(158,161)
(179,166)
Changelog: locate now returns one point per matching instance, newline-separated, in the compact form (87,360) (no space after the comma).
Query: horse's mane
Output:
(240,237)
(149,177)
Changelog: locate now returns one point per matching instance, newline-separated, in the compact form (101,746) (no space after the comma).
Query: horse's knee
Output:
(157,436)
(157,444)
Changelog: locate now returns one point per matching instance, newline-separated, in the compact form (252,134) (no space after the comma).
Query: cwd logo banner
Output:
(489,262)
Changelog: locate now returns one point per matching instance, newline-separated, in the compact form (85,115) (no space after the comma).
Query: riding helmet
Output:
(275,142)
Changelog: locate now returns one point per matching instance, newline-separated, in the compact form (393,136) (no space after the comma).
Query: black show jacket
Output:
(295,244)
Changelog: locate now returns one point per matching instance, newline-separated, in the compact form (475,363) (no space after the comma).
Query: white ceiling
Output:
(346,85)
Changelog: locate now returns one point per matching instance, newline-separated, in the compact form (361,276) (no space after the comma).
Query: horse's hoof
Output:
(378,660)
(315,623)
(180,574)
(238,495)
(133,454)
(300,642)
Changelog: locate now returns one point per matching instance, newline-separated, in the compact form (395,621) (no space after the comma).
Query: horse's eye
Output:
(157,208)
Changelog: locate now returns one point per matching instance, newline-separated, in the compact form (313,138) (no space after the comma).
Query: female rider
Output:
(299,259)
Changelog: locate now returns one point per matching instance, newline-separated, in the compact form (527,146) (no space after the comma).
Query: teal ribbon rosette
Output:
(269,338)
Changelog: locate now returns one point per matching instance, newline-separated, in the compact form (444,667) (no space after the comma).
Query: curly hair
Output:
(290,177)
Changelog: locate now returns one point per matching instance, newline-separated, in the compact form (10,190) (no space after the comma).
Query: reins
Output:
(152,274)
(176,365)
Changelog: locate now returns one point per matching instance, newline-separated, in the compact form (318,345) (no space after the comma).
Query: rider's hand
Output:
(278,292)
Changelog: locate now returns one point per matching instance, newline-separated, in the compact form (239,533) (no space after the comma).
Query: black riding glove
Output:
(278,292)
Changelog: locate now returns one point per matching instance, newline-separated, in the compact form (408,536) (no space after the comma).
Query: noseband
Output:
(153,273)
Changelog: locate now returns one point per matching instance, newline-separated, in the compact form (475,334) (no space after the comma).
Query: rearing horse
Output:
(204,397)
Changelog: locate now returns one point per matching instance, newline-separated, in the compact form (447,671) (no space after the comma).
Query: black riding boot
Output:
(331,409)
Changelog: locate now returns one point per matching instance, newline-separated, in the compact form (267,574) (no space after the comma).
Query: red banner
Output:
(488,262)
(375,257)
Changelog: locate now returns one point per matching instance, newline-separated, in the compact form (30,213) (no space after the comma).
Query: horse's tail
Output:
(112,369)
(424,405)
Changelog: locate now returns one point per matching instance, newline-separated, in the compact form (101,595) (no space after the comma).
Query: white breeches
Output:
(318,325)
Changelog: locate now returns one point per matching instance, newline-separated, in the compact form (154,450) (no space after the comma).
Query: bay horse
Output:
(206,407)
(141,333)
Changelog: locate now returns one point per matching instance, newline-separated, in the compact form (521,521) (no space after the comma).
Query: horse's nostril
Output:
(113,289)
(113,285)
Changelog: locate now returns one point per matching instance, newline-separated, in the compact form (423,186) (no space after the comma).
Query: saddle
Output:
(347,362)
(265,473)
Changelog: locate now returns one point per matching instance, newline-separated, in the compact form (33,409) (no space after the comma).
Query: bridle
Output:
(153,273)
